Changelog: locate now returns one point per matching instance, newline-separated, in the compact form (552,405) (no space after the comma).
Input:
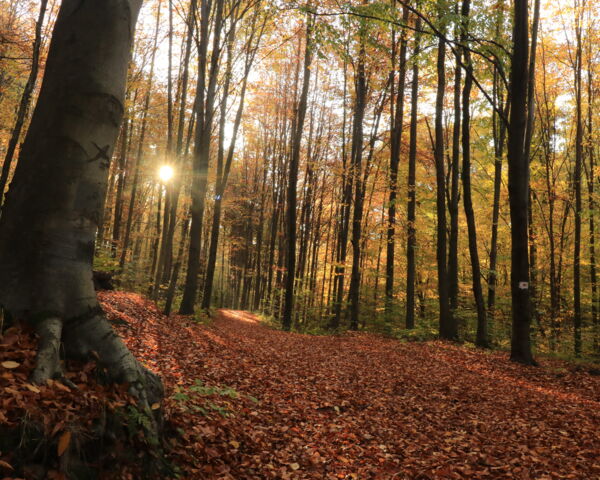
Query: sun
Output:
(165,173)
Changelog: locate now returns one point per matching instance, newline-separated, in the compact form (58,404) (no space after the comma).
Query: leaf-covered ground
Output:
(359,406)
(248,402)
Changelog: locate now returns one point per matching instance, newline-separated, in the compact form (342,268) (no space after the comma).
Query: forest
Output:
(252,239)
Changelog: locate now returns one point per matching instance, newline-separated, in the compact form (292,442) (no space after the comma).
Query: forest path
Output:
(360,406)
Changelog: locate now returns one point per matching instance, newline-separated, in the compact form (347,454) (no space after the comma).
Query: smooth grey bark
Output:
(52,211)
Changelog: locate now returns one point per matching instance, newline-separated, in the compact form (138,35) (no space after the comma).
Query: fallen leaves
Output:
(359,406)
(264,404)
(63,443)
(10,364)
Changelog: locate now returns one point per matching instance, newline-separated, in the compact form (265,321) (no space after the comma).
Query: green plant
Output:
(194,399)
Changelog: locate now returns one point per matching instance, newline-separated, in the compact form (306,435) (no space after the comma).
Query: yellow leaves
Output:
(10,364)
(63,443)
(155,406)
(234,444)
(294,466)
(32,388)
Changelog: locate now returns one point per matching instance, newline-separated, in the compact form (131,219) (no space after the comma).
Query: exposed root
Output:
(48,357)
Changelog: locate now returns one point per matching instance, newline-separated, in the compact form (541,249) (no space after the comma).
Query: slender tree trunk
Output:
(344,223)
(205,102)
(591,200)
(175,273)
(447,327)
(482,330)
(396,141)
(223,170)
(180,152)
(518,188)
(356,172)
(499,139)
(291,213)
(411,237)
(25,101)
(577,185)
(138,161)
(454,187)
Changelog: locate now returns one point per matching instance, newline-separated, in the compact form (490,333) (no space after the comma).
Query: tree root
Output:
(92,336)
(48,357)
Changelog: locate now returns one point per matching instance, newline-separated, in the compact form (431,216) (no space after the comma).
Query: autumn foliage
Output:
(245,401)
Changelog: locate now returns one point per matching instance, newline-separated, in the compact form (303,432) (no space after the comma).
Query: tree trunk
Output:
(51,214)
(205,104)
(356,172)
(447,326)
(518,188)
(482,330)
(396,141)
(291,213)
(25,101)
(411,237)
(577,186)
(138,161)
(223,170)
(454,186)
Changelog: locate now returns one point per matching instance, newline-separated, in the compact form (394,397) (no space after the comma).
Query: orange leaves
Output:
(345,407)
(63,443)
(359,406)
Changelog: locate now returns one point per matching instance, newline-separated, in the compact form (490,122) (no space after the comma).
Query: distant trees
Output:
(304,189)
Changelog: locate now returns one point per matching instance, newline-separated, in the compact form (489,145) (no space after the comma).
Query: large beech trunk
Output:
(51,214)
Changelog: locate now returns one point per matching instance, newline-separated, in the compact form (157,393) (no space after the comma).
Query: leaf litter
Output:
(244,401)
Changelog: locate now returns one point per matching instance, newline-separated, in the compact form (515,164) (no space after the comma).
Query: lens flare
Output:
(166,173)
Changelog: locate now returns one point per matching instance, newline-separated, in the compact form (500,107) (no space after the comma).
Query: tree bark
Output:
(396,141)
(291,213)
(447,326)
(205,104)
(411,237)
(577,187)
(518,188)
(25,101)
(51,214)
(482,330)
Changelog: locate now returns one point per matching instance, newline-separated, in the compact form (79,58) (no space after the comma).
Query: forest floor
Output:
(359,406)
(252,402)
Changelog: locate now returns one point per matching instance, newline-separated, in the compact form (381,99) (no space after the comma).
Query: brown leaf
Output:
(63,443)
(32,388)
(10,364)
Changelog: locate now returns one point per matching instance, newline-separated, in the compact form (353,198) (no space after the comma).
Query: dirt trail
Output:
(359,406)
